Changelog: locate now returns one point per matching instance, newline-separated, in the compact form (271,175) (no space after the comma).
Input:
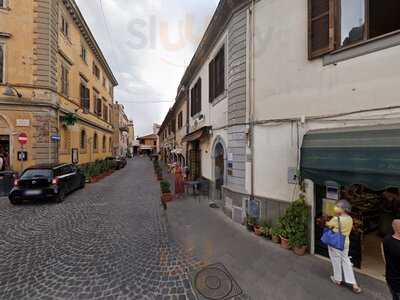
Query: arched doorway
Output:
(219,156)
(5,143)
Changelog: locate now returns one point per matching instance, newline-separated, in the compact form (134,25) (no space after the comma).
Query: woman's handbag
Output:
(334,239)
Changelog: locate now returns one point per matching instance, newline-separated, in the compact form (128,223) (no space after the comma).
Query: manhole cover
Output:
(214,282)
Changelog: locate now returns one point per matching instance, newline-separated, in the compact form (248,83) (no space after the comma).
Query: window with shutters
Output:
(83,139)
(64,27)
(85,97)
(84,53)
(195,98)
(104,144)
(64,80)
(105,112)
(3,3)
(336,24)
(96,70)
(110,145)
(217,75)
(180,120)
(95,142)
(99,106)
(2,63)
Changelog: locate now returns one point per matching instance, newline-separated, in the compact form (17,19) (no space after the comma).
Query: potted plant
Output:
(250,222)
(284,239)
(166,195)
(258,230)
(264,228)
(275,233)
(294,223)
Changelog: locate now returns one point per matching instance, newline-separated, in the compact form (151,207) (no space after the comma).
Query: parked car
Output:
(52,181)
(122,160)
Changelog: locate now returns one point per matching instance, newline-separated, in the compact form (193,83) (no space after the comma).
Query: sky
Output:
(148,45)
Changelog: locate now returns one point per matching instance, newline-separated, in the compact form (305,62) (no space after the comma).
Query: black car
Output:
(53,181)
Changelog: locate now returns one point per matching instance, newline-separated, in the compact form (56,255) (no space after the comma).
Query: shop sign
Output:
(22,155)
(23,123)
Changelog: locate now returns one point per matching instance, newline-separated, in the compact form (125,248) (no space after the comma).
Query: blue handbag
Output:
(334,239)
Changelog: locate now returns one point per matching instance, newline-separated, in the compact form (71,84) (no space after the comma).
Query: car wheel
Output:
(15,201)
(83,183)
(60,197)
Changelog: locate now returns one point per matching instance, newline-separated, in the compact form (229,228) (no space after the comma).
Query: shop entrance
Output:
(372,212)
(361,165)
(5,150)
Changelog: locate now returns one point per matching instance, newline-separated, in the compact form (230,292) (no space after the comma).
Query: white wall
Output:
(288,85)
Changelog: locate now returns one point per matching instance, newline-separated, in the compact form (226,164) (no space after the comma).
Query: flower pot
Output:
(285,243)
(167,197)
(276,239)
(258,231)
(300,251)
(250,227)
(159,178)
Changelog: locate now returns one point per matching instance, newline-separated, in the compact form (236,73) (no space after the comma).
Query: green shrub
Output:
(165,187)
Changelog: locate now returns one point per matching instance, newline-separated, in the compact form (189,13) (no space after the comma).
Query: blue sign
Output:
(56,137)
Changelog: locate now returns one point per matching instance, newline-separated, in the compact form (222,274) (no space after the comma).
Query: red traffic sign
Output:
(22,138)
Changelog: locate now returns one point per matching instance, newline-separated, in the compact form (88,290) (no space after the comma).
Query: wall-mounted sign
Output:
(55,137)
(75,156)
(22,155)
(23,123)
(22,138)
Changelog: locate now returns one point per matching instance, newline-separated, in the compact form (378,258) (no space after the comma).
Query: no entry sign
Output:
(22,138)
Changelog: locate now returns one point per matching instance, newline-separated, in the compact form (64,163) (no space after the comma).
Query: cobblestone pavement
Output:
(108,241)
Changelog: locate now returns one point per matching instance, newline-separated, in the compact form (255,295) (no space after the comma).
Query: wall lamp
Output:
(9,91)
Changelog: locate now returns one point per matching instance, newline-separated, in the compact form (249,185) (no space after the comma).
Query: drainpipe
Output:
(251,94)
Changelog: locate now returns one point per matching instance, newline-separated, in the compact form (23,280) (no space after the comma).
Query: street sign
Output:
(22,155)
(22,138)
(56,137)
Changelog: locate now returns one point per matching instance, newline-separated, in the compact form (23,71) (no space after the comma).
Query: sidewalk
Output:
(262,269)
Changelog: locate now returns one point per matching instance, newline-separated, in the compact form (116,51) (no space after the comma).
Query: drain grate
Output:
(214,282)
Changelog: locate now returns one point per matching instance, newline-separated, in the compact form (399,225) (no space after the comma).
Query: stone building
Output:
(55,85)
(123,130)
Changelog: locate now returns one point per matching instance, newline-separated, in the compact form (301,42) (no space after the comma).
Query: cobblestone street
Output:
(108,241)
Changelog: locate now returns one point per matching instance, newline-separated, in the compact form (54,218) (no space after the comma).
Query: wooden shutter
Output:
(198,95)
(321,27)
(211,70)
(192,100)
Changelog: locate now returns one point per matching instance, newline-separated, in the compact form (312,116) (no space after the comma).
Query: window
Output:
(104,143)
(64,27)
(195,96)
(97,104)
(110,114)
(180,120)
(85,97)
(84,53)
(95,141)
(96,70)
(339,23)
(105,112)
(2,63)
(83,139)
(3,3)
(110,146)
(217,75)
(104,80)
(155,143)
(64,80)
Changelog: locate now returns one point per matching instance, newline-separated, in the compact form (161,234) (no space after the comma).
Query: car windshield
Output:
(37,173)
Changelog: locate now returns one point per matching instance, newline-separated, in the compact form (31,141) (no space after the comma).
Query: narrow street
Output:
(112,241)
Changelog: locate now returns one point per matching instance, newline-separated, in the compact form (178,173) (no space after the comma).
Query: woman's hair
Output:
(344,204)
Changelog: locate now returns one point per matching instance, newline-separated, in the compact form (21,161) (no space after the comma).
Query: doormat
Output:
(214,282)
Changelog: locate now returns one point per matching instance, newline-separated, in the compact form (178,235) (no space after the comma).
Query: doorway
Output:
(219,169)
(5,150)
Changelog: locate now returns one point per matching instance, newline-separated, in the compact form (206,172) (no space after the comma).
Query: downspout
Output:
(251,96)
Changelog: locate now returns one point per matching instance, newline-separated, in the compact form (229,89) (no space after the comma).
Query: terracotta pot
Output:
(300,251)
(167,197)
(285,243)
(276,239)
(250,227)
(258,231)
(159,178)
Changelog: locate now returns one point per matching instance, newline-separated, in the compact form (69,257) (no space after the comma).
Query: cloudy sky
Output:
(148,44)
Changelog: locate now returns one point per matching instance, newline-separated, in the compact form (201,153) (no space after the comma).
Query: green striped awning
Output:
(362,155)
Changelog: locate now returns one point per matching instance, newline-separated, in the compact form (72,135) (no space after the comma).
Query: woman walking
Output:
(340,259)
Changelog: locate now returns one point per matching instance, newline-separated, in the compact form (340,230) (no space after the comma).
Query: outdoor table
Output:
(194,185)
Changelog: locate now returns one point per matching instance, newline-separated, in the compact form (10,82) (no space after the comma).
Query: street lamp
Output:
(9,91)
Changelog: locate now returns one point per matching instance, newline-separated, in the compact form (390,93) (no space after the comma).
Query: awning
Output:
(198,134)
(362,155)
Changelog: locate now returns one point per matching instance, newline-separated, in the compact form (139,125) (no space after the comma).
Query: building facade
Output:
(148,144)
(309,104)
(123,131)
(55,85)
